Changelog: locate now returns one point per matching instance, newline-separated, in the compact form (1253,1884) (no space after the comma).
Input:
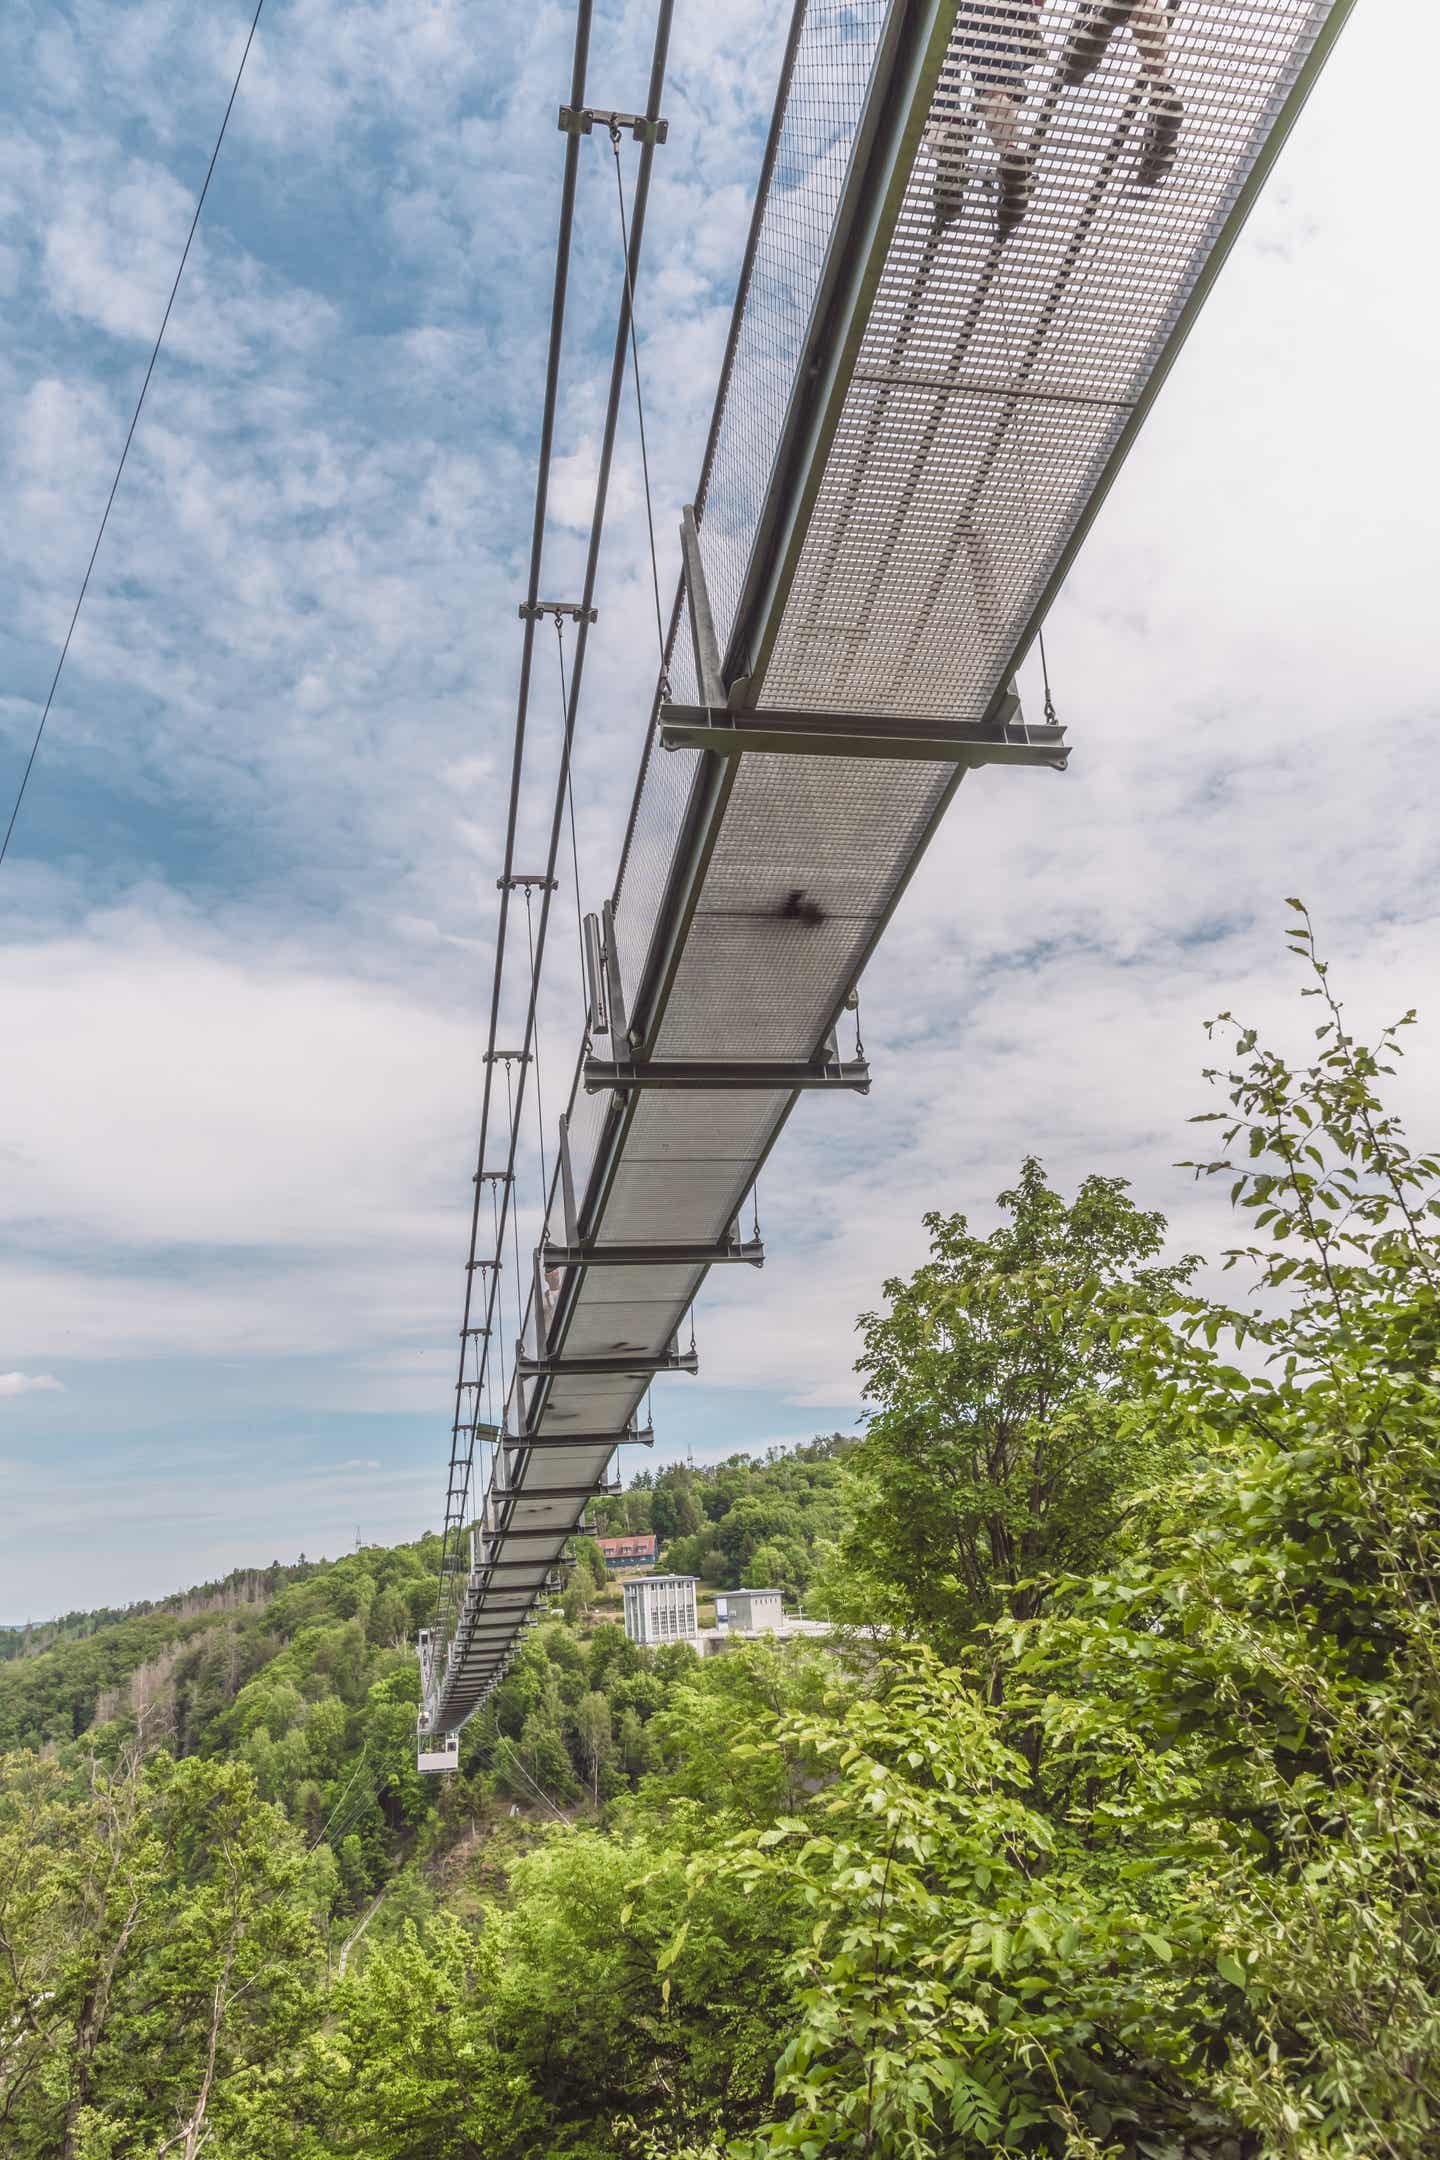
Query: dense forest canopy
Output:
(1102,1827)
(767,1522)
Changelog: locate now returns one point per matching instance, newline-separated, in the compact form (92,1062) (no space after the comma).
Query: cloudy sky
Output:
(245,929)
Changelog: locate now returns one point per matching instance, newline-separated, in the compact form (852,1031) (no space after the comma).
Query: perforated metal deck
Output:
(917,418)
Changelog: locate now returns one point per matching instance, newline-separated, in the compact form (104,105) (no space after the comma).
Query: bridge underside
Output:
(924,401)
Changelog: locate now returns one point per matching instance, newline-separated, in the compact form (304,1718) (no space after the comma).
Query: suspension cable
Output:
(539,1089)
(570,799)
(514,1211)
(564,790)
(454,1528)
(130,433)
(639,399)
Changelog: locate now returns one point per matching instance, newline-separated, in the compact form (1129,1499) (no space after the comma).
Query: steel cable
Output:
(639,399)
(130,433)
(564,788)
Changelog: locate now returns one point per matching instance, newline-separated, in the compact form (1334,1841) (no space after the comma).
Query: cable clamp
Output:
(533,611)
(581,119)
(529,880)
(506,1057)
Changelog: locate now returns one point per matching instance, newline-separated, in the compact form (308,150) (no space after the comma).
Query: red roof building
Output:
(637,1550)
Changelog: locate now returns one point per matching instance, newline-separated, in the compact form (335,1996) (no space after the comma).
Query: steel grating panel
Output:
(822,105)
(597,1403)
(586,1117)
(667,1200)
(834,831)
(759,987)
(565,1466)
(598,1329)
(650,850)
(700,1126)
(821,102)
(621,1285)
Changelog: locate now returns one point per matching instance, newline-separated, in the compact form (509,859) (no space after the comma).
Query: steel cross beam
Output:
(643,1436)
(623,1363)
(965,743)
(542,1496)
(770,1075)
(587,1253)
(514,1567)
(556,1534)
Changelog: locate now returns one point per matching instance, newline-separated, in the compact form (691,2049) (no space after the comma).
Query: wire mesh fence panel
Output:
(821,103)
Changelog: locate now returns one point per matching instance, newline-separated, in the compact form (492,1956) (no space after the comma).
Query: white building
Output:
(749,1612)
(661,1609)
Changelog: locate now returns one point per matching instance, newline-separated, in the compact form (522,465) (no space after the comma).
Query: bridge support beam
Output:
(635,1364)
(586,1253)
(772,1075)
(543,1495)
(867,735)
(643,1436)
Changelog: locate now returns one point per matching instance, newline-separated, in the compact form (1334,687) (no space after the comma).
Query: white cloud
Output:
(247,992)
(19,1383)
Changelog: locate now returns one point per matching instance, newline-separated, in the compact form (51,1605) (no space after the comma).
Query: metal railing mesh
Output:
(821,102)
(999,369)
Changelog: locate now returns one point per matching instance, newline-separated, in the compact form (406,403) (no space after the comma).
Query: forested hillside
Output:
(1104,1831)
(768,1522)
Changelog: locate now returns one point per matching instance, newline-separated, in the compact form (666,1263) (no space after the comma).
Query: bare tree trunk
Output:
(193,2132)
(95,2004)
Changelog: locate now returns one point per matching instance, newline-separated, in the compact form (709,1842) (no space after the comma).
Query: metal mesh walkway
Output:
(981,236)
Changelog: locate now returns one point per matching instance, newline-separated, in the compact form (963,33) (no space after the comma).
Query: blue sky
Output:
(245,931)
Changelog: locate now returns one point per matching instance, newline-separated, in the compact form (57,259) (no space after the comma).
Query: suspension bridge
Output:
(980,237)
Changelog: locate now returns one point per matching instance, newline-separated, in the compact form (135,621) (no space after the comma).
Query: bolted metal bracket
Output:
(530,881)
(532,611)
(581,119)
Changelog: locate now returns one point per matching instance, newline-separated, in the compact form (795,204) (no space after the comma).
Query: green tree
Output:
(161,1942)
(1256,1690)
(595,1737)
(1205,1917)
(674,1511)
(1001,1452)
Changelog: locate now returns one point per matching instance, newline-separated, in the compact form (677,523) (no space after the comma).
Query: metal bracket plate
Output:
(581,119)
(532,611)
